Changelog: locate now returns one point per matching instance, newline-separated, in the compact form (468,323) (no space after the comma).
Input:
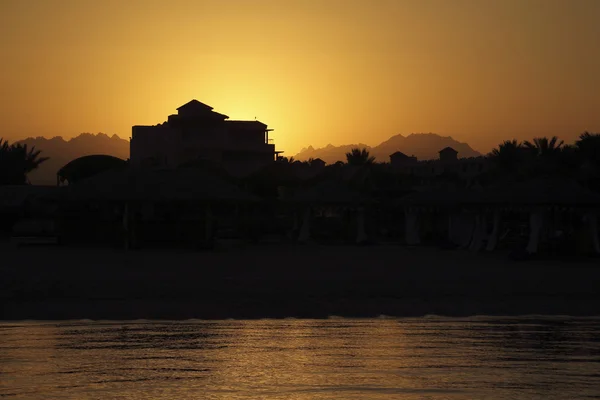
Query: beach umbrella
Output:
(87,166)
(542,192)
(16,195)
(330,192)
(181,184)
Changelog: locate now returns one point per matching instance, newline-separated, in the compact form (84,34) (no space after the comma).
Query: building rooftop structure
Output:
(199,132)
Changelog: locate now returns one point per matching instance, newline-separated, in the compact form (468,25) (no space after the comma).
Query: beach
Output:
(278,281)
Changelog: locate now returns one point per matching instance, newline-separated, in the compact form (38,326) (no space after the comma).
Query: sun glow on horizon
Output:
(338,72)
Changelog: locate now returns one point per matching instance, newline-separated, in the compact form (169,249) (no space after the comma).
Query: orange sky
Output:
(317,71)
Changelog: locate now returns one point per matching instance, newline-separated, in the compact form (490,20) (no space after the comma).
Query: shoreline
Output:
(279,281)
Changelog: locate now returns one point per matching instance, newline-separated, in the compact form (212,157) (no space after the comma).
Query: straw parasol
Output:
(182,184)
(17,195)
(330,193)
(542,191)
(442,196)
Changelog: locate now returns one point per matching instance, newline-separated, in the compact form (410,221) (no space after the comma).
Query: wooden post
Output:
(304,235)
(536,219)
(493,238)
(593,223)
(208,223)
(361,235)
(126,225)
(411,227)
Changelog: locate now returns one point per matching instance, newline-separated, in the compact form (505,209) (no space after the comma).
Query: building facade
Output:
(197,132)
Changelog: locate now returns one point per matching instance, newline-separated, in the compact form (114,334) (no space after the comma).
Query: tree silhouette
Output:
(544,156)
(508,154)
(568,162)
(543,147)
(507,160)
(588,145)
(359,157)
(588,149)
(286,160)
(17,161)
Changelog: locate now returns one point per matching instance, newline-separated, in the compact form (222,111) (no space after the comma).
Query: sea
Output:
(432,357)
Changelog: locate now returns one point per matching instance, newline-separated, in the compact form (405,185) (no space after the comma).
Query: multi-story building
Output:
(198,132)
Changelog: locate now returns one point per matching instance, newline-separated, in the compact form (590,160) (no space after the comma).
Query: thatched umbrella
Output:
(182,184)
(542,192)
(539,194)
(279,173)
(159,185)
(12,196)
(88,166)
(330,193)
(267,180)
(461,227)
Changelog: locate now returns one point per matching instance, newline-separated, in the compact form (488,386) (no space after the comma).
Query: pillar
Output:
(536,219)
(361,236)
(593,223)
(493,238)
(292,233)
(126,225)
(411,226)
(208,227)
(479,232)
(304,235)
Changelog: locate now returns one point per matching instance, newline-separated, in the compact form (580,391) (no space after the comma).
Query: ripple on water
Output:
(527,357)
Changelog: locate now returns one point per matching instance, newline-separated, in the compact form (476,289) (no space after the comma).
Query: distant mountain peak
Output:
(424,146)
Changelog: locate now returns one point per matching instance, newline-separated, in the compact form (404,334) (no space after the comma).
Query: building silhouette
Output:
(197,132)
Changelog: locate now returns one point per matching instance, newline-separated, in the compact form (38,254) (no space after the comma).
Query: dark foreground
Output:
(287,281)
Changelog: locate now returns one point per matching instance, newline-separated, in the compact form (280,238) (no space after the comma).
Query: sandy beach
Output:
(275,281)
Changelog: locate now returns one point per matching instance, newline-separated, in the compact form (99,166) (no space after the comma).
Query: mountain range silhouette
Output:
(424,146)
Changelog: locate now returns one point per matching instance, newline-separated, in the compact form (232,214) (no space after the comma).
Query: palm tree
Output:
(16,162)
(508,153)
(588,148)
(542,146)
(544,155)
(507,160)
(569,161)
(588,145)
(359,157)
(31,159)
(286,160)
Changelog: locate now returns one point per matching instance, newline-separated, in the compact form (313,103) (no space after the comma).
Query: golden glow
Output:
(318,72)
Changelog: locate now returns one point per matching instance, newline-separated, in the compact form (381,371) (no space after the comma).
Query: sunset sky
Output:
(316,71)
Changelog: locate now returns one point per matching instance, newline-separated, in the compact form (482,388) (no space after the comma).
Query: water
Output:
(425,358)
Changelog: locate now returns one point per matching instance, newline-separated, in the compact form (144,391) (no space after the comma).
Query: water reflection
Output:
(304,359)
